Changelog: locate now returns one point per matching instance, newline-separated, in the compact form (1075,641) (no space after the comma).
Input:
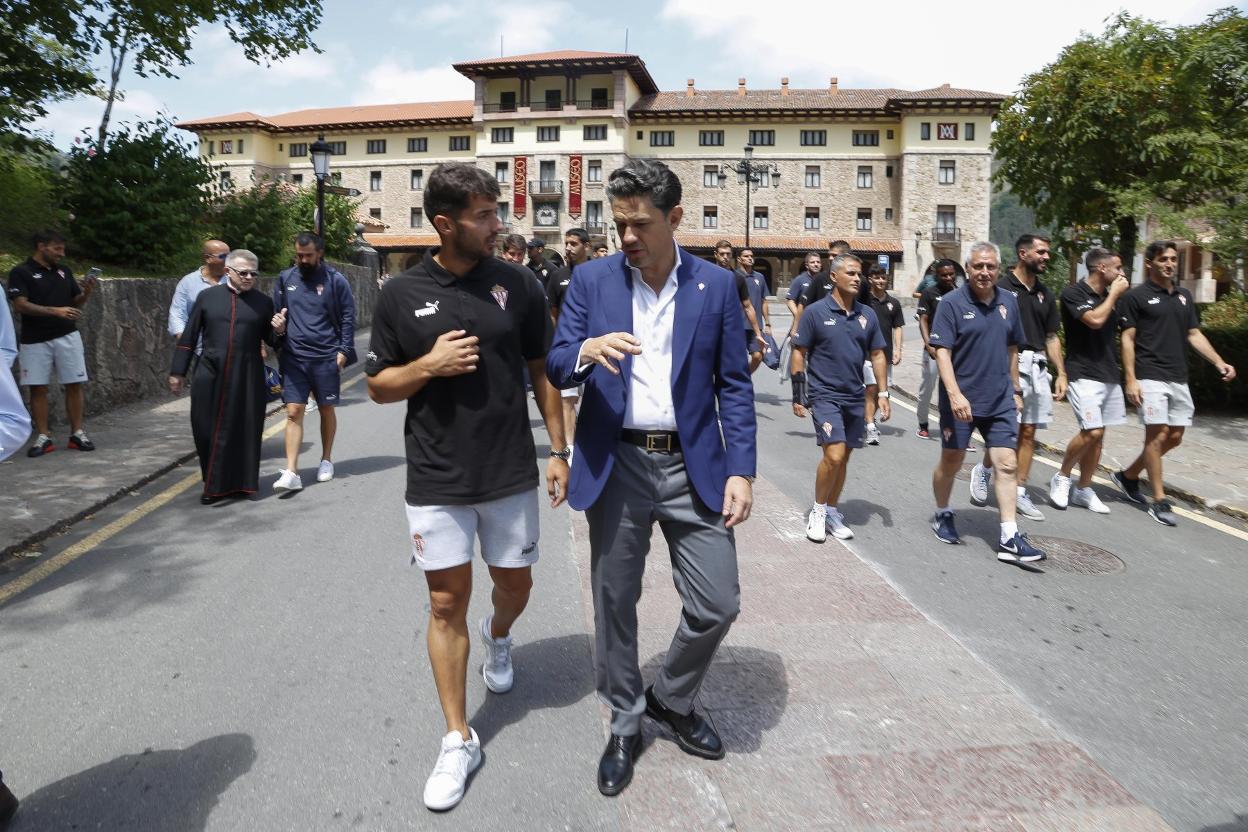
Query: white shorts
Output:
(1033,375)
(868,374)
(65,352)
(1096,404)
(570,393)
(443,536)
(1166,403)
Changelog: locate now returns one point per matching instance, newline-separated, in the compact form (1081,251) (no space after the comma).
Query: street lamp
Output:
(320,151)
(749,173)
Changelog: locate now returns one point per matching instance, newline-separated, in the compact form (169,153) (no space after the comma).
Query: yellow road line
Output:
(1179,510)
(59,561)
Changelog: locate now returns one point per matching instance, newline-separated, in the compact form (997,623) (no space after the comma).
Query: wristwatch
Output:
(883,394)
(565,454)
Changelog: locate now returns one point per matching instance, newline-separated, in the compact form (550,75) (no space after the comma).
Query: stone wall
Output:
(128,347)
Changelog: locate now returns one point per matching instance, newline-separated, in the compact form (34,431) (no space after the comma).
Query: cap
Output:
(537,242)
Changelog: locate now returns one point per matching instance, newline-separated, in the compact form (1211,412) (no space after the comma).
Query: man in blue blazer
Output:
(666,433)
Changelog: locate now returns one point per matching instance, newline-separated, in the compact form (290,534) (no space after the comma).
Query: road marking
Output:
(59,561)
(1179,510)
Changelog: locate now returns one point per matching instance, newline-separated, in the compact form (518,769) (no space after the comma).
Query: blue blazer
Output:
(711,387)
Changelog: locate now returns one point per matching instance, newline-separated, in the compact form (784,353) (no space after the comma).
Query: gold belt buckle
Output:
(652,442)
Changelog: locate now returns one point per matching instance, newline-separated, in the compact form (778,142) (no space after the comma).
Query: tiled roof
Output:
(946,92)
(400,240)
(801,99)
(563,58)
(542,57)
(245,117)
(869,245)
(325,117)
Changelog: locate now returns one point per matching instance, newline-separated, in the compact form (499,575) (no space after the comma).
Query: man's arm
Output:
(748,308)
(735,394)
(551,407)
(1201,344)
(1128,368)
(958,403)
(1053,349)
(879,365)
(25,307)
(177,310)
(454,353)
(897,340)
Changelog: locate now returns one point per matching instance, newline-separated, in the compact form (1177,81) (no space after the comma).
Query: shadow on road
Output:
(1240,824)
(365,465)
(170,789)
(859,512)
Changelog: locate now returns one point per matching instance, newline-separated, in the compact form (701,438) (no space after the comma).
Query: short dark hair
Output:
(645,177)
(599,246)
(579,233)
(1157,247)
(1096,256)
(514,241)
(840,244)
(722,244)
(958,271)
(308,238)
(1028,240)
(875,269)
(46,236)
(811,254)
(452,186)
(743,250)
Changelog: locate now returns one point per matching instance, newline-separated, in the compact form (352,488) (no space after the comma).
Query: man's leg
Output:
(510,596)
(1156,443)
(1089,454)
(449,593)
(1005,482)
(75,404)
(873,390)
(830,476)
(927,384)
(39,408)
(294,434)
(1026,448)
(756,358)
(946,471)
(329,428)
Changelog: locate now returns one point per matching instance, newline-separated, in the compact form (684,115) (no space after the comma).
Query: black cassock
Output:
(228,391)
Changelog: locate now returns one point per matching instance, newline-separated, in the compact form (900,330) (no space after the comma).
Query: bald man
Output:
(211,270)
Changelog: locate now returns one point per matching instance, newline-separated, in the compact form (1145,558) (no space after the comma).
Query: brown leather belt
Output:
(654,441)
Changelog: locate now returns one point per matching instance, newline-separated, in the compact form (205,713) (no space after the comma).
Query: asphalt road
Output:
(261,665)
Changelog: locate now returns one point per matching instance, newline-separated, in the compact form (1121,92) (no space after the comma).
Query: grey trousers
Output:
(927,385)
(644,488)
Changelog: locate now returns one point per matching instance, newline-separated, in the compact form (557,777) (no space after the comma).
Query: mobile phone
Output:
(93,274)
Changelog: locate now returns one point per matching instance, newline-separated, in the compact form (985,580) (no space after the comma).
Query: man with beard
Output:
(317,312)
(756,284)
(801,285)
(450,338)
(540,266)
(946,272)
(753,334)
(821,285)
(576,247)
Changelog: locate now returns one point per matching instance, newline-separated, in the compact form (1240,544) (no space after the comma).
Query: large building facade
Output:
(902,176)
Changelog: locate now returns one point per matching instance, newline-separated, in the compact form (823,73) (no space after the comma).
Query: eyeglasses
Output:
(220,256)
(245,272)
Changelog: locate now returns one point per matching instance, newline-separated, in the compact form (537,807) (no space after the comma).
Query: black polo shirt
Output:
(889,315)
(819,288)
(929,301)
(1037,307)
(43,286)
(542,270)
(1089,352)
(1161,320)
(468,436)
(558,287)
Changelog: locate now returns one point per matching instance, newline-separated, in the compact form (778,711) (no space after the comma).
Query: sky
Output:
(381,52)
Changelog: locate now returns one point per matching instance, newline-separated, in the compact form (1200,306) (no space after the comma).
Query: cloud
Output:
(523,27)
(67,119)
(391,82)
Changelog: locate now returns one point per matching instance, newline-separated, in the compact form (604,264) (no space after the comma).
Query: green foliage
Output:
(260,218)
(142,202)
(339,221)
(28,182)
(43,58)
(1225,324)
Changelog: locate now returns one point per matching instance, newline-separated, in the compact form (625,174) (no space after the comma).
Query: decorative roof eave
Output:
(706,112)
(536,64)
(457,121)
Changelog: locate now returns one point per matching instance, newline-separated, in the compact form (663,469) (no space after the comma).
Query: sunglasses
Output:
(245,272)
(216,256)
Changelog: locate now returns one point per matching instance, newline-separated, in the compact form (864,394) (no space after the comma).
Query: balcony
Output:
(543,187)
(595,104)
(500,107)
(545,107)
(548,107)
(596,229)
(946,234)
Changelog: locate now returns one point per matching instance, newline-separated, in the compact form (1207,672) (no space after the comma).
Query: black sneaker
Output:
(79,441)
(1163,513)
(1128,486)
(43,445)
(1018,549)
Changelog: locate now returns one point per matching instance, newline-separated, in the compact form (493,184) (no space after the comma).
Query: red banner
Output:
(520,187)
(574,186)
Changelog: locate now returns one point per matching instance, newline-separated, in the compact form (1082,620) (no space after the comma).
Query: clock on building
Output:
(546,214)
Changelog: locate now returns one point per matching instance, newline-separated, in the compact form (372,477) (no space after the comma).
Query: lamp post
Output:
(749,173)
(320,151)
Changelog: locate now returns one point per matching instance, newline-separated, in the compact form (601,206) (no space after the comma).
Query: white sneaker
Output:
(836,525)
(457,759)
(1087,498)
(816,531)
(1059,491)
(496,669)
(1027,508)
(288,481)
(981,478)
(325,472)
(311,405)
(873,435)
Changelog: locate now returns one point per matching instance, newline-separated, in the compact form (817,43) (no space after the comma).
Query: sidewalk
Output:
(844,709)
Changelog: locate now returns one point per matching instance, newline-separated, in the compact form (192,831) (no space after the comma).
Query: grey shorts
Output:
(1166,403)
(1096,404)
(1033,375)
(65,353)
(868,374)
(444,536)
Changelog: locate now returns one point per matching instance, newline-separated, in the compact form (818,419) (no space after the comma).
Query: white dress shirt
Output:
(649,404)
(14,420)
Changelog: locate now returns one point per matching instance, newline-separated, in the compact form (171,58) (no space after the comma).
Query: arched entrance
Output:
(762,265)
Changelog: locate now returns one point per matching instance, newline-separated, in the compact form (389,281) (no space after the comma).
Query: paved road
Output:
(261,665)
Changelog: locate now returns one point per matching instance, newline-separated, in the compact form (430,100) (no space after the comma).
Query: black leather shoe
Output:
(694,734)
(209,499)
(615,769)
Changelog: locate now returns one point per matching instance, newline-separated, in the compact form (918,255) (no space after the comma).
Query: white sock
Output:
(1022,491)
(831,509)
(1008,530)
(943,510)
(820,509)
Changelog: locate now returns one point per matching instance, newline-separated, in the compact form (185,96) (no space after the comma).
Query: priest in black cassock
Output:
(228,391)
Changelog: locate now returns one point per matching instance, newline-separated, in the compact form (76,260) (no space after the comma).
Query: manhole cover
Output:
(1067,555)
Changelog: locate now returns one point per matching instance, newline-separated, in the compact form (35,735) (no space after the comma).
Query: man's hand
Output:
(897,358)
(609,348)
(1059,387)
(69,313)
(885,407)
(1134,394)
(342,361)
(762,342)
(1119,285)
(799,410)
(1019,402)
(176,383)
(454,354)
(961,407)
(1226,371)
(738,500)
(278,322)
(557,481)
(931,351)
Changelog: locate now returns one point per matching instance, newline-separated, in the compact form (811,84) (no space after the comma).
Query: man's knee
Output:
(1094,434)
(835,454)
(517,582)
(448,606)
(950,461)
(1026,433)
(722,608)
(1005,462)
(294,413)
(1174,438)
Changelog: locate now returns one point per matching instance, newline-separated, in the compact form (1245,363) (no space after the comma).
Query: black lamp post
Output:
(749,173)
(320,152)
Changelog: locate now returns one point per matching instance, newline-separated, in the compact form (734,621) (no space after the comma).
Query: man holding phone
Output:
(50,302)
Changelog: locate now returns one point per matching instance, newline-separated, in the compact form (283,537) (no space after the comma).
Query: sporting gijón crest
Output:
(500,295)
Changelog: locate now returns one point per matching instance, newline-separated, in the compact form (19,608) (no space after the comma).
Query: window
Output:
(814,138)
(710,176)
(598,99)
(417,218)
(296,178)
(813,176)
(888,214)
(710,216)
(240,145)
(888,171)
(461,143)
(946,221)
(548,134)
(947,173)
(212,148)
(554,100)
(593,171)
(504,212)
(507,102)
(662,138)
(760,218)
(338,148)
(812,219)
(710,138)
(420,145)
(595,132)
(376,146)
(764,179)
(227,146)
(866,176)
(864,219)
(374,213)
(546,174)
(503,135)
(418,179)
(888,134)
(374,180)
(866,138)
(227,181)
(925,131)
(968,133)
(502,172)
(640,135)
(946,131)
(593,213)
(762,138)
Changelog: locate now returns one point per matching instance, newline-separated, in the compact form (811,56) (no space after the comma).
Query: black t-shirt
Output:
(543,270)
(1038,309)
(743,289)
(468,436)
(558,287)
(820,287)
(929,300)
(889,315)
(43,286)
(1161,320)
(1089,352)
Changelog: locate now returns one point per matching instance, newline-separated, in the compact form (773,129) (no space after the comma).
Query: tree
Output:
(43,58)
(28,182)
(260,218)
(339,220)
(1139,118)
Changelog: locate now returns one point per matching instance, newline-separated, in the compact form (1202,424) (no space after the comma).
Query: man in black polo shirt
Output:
(1090,322)
(50,302)
(1038,309)
(892,322)
(538,263)
(576,247)
(451,337)
(1159,322)
(822,284)
(754,341)
(801,285)
(946,272)
(756,285)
